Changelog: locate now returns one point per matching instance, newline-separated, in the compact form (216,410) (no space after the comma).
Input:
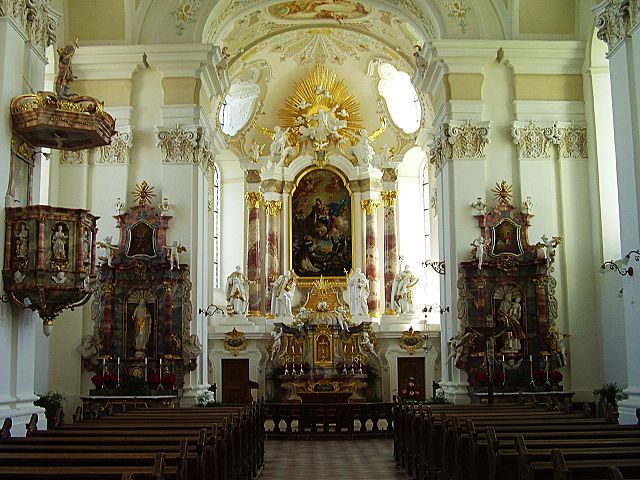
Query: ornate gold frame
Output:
(323,330)
(411,340)
(235,342)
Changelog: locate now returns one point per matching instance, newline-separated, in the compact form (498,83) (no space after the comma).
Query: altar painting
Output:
(321,225)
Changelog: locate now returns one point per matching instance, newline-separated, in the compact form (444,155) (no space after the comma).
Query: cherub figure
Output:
(59,278)
(110,250)
(173,253)
(367,344)
(277,343)
(478,248)
(65,76)
(550,245)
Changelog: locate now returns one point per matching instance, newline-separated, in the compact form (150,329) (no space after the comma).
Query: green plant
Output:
(439,399)
(611,392)
(51,402)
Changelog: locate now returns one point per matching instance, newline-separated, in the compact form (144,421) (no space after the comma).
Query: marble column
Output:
(390,246)
(371,249)
(272,261)
(254,200)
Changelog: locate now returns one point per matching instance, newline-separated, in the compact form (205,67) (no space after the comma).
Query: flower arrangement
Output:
(108,380)
(409,391)
(206,399)
(555,377)
(153,380)
(539,376)
(168,380)
(481,377)
(498,377)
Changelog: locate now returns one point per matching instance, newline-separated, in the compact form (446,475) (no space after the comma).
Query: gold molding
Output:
(411,340)
(370,206)
(254,199)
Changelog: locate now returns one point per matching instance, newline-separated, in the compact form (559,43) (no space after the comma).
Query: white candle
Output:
(531,358)
(160,365)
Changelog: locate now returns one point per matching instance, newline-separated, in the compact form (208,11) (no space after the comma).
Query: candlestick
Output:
(531,370)
(104,360)
(145,369)
(118,374)
(160,365)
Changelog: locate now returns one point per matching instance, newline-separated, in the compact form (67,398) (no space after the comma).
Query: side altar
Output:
(323,355)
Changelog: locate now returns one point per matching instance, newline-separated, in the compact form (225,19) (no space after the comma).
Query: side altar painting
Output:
(506,301)
(141,309)
(321,225)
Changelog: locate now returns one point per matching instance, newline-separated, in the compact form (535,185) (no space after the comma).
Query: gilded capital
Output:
(273,207)
(370,206)
(254,199)
(389,198)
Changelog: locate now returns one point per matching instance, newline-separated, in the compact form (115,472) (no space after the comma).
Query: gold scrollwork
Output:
(411,340)
(508,265)
(370,206)
(235,342)
(389,198)
(273,207)
(253,199)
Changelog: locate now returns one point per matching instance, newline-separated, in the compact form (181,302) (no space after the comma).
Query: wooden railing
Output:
(373,419)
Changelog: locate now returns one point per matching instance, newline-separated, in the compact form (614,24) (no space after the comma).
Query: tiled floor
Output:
(330,459)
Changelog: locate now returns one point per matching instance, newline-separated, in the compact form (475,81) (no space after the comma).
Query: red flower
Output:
(498,377)
(481,377)
(110,380)
(539,375)
(168,379)
(555,376)
(97,380)
(153,380)
(404,392)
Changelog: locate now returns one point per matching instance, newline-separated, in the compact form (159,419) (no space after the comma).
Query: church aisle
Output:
(330,459)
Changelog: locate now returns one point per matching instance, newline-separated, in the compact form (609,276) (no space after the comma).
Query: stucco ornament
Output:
(533,140)
(179,144)
(468,139)
(571,139)
(612,21)
(118,150)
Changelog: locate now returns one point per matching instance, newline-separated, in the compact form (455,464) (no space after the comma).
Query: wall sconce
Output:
(614,266)
(627,257)
(436,308)
(438,267)
(211,310)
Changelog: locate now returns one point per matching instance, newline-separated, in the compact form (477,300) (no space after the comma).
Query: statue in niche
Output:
(510,315)
(237,293)
(402,291)
(59,243)
(142,325)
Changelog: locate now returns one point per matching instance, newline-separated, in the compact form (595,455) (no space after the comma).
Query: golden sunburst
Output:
(143,193)
(321,90)
(503,192)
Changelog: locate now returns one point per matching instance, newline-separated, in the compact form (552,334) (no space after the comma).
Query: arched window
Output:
(215,224)
(401,98)
(238,105)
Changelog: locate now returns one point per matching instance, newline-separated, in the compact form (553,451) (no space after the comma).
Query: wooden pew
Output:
(564,469)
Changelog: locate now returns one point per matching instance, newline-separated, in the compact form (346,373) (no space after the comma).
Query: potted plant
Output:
(608,394)
(52,403)
(206,399)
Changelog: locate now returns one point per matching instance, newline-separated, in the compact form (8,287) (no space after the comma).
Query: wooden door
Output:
(411,367)
(235,380)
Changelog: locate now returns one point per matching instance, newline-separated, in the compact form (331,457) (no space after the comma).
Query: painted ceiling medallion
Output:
(321,112)
(458,10)
(305,10)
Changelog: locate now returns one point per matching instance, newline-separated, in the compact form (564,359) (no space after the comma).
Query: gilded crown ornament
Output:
(503,192)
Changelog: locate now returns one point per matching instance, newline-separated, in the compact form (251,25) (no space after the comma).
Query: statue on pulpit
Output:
(237,293)
(358,292)
(402,291)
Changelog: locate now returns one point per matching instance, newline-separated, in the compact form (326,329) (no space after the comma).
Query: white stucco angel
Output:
(282,293)
(59,278)
(550,245)
(478,245)
(277,343)
(341,320)
(173,253)
(362,150)
(280,147)
(237,291)
(457,346)
(109,250)
(367,344)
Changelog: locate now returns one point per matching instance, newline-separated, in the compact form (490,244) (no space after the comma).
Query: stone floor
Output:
(330,459)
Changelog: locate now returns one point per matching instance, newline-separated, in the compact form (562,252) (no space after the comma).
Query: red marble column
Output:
(168,317)
(371,263)
(272,208)
(107,328)
(254,200)
(390,246)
